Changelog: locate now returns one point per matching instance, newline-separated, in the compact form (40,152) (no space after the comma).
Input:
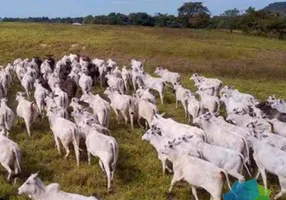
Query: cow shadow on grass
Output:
(126,170)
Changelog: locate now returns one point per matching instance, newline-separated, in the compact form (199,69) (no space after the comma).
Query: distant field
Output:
(252,64)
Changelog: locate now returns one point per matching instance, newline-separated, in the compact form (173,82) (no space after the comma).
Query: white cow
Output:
(197,172)
(138,65)
(110,63)
(167,76)
(146,110)
(85,82)
(6,115)
(75,104)
(66,131)
(181,95)
(10,156)
(156,84)
(75,76)
(211,103)
(218,135)
(80,115)
(278,127)
(100,107)
(127,78)
(26,110)
(40,95)
(158,141)
(37,190)
(227,159)
(173,129)
(45,68)
(60,111)
(102,146)
(102,72)
(244,120)
(233,106)
(203,82)
(115,83)
(98,62)
(272,160)
(120,103)
(27,83)
(145,94)
(193,107)
(244,98)
(61,97)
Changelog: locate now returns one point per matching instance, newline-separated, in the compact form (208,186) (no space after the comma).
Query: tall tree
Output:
(88,19)
(231,19)
(194,14)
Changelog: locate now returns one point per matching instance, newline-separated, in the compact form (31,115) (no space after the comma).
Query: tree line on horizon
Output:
(190,15)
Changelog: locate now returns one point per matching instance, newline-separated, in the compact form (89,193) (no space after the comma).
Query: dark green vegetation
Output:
(278,7)
(268,22)
(252,64)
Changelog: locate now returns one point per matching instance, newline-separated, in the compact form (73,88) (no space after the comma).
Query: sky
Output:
(79,8)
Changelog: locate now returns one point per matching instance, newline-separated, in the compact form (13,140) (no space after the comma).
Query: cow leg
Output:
(138,120)
(89,157)
(176,103)
(185,108)
(264,177)
(116,113)
(66,146)
(57,144)
(27,123)
(163,165)
(16,171)
(175,179)
(236,175)
(8,169)
(102,167)
(257,175)
(27,92)
(132,121)
(101,81)
(282,182)
(194,191)
(108,174)
(126,86)
(146,125)
(125,117)
(161,97)
(76,150)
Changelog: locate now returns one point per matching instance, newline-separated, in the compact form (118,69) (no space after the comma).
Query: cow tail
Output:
(226,177)
(244,163)
(6,121)
(65,101)
(74,131)
(247,151)
(32,109)
(17,157)
(115,154)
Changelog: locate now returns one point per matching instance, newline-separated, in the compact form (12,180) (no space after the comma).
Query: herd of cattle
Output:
(203,153)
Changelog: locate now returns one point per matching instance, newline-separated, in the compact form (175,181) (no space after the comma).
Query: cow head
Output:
(32,186)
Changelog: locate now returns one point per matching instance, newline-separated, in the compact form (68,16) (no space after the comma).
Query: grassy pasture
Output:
(252,64)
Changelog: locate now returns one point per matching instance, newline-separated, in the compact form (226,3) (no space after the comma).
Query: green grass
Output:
(252,64)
